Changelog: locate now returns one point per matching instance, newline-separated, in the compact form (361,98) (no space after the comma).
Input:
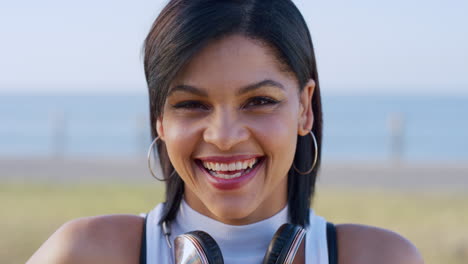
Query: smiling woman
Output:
(237,120)
(248,110)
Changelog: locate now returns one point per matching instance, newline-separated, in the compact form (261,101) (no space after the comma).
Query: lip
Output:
(228,159)
(230,184)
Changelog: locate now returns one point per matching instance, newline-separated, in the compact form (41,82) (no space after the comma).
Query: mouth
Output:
(230,175)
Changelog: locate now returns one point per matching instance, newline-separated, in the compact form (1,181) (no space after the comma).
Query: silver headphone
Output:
(198,247)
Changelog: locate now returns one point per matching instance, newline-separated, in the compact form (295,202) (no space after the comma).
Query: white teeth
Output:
(226,176)
(239,165)
(224,167)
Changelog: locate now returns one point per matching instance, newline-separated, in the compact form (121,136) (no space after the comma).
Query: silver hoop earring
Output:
(315,157)
(149,162)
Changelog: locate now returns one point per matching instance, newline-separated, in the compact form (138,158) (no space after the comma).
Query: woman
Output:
(237,121)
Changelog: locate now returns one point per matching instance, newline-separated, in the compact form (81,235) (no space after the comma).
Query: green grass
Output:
(437,223)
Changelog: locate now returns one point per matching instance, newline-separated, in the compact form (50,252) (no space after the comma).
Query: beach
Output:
(451,176)
(425,202)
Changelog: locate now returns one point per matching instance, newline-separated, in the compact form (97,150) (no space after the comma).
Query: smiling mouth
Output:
(232,170)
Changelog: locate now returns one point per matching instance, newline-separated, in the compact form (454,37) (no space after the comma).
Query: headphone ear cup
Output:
(281,244)
(211,248)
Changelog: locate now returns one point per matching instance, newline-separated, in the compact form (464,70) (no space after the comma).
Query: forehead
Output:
(232,62)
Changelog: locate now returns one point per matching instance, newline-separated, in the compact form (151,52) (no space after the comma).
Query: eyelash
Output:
(268,100)
(198,104)
(188,105)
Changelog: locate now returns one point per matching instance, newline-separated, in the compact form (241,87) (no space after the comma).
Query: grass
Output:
(437,223)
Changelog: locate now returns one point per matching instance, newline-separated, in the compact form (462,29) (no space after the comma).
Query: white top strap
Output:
(251,240)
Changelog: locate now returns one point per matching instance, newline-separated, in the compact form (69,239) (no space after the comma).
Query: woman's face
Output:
(230,125)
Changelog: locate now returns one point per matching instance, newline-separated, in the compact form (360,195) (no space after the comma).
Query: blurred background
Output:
(74,126)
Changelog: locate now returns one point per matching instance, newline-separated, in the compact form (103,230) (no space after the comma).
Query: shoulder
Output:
(99,239)
(366,244)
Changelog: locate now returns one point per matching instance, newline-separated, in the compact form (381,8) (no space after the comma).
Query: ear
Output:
(160,128)
(306,116)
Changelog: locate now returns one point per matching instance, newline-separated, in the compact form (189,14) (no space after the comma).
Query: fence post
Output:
(396,123)
(59,134)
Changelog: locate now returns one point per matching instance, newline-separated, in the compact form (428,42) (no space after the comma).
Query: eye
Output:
(261,101)
(190,105)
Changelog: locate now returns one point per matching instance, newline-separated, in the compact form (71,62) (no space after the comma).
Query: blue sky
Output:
(363,46)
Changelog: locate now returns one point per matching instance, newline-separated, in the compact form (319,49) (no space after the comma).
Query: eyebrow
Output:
(243,90)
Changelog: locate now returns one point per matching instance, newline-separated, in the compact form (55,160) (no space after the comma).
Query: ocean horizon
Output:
(374,127)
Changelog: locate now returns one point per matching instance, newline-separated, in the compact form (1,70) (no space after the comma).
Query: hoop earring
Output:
(149,162)
(315,157)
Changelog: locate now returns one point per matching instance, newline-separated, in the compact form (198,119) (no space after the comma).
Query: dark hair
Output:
(185,26)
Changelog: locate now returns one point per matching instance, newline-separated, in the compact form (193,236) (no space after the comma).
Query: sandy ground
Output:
(423,175)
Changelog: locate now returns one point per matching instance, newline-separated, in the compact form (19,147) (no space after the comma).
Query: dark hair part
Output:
(185,26)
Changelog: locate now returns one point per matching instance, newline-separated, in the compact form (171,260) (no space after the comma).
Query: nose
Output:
(225,130)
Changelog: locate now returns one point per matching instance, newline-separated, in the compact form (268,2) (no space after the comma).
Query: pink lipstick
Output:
(228,180)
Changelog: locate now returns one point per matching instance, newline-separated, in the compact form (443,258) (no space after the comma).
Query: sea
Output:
(373,128)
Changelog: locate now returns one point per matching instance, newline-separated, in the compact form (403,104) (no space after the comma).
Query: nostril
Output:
(225,137)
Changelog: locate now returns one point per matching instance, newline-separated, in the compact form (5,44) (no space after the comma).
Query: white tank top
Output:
(245,244)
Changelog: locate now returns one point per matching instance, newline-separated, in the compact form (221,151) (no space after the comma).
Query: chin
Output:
(233,212)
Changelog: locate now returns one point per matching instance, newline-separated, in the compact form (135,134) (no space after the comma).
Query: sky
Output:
(396,47)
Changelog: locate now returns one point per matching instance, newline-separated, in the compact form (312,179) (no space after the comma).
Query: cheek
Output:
(180,140)
(274,129)
(278,136)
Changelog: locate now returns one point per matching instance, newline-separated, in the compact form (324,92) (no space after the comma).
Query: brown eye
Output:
(190,105)
(261,101)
